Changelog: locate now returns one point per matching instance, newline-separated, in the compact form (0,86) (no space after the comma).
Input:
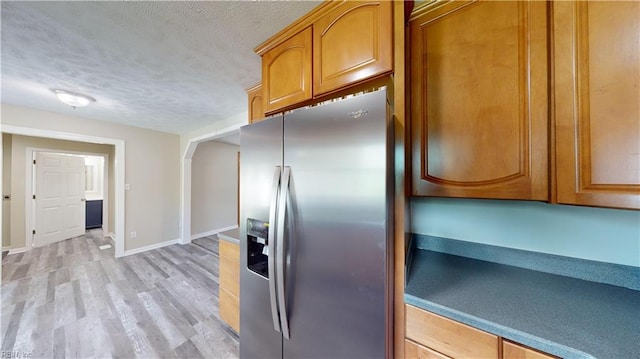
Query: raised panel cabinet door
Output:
(352,43)
(286,72)
(597,102)
(479,121)
(254,95)
(515,351)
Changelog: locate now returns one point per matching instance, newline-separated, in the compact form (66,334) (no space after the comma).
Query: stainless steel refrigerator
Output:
(315,226)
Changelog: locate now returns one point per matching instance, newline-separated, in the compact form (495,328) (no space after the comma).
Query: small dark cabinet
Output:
(93,216)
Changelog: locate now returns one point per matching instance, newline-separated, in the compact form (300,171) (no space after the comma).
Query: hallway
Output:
(71,299)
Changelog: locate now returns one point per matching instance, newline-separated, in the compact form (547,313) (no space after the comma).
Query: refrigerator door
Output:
(261,159)
(336,229)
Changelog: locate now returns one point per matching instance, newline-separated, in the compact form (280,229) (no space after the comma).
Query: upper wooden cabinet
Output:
(597,102)
(351,43)
(286,72)
(479,122)
(336,45)
(255,100)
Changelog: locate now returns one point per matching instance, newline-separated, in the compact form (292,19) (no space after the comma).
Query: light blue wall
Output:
(606,235)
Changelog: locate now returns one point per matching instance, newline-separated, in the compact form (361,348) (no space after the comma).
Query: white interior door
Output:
(60,203)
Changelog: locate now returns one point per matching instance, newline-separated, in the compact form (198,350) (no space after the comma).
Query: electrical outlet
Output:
(134,234)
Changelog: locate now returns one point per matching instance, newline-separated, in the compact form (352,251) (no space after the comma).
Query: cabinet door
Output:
(515,351)
(352,43)
(597,102)
(286,72)
(229,292)
(254,95)
(479,121)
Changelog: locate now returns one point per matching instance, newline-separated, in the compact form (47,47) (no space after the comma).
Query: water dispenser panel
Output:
(257,247)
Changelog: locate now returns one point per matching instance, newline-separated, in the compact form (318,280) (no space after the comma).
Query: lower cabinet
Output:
(430,336)
(93,214)
(229,294)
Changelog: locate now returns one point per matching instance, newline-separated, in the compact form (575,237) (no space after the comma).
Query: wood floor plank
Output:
(9,337)
(78,300)
(156,267)
(186,313)
(188,350)
(71,299)
(21,271)
(65,307)
(43,336)
(173,314)
(26,325)
(51,287)
(120,344)
(209,243)
(172,333)
(59,343)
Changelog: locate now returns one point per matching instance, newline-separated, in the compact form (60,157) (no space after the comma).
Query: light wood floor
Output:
(73,300)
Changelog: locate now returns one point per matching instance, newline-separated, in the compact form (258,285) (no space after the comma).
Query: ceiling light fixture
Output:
(73,99)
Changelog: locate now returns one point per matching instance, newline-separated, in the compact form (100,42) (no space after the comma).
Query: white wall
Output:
(214,187)
(152,169)
(599,234)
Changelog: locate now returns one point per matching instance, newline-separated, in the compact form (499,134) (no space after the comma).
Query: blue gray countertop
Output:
(230,236)
(557,314)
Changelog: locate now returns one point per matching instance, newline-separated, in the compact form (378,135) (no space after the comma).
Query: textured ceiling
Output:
(171,66)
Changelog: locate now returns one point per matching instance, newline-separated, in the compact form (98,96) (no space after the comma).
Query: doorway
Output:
(62,189)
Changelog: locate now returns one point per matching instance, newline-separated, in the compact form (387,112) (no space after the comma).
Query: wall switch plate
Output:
(127,186)
(134,234)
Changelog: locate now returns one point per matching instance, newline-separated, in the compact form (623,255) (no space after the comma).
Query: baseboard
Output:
(150,247)
(111,235)
(215,231)
(17,250)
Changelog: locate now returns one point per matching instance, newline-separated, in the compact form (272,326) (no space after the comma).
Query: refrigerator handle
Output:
(280,249)
(271,247)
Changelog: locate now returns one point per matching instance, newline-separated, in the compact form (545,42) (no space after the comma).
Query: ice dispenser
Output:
(257,246)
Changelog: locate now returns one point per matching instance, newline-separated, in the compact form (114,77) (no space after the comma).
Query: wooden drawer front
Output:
(229,251)
(515,351)
(446,336)
(416,351)
(230,276)
(229,309)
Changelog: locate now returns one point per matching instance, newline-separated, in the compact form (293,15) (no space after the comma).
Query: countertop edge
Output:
(497,329)
(230,236)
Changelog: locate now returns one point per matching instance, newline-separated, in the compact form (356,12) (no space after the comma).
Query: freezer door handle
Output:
(280,249)
(271,247)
